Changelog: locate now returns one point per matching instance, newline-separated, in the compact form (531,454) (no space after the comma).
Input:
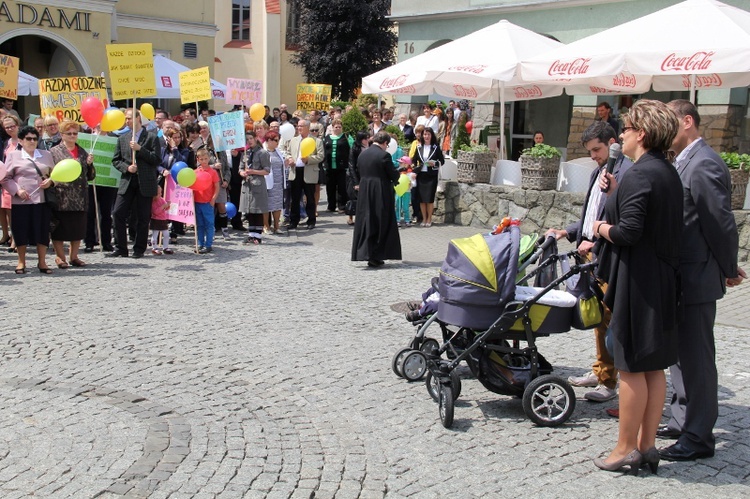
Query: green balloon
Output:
(186,177)
(403,185)
(66,170)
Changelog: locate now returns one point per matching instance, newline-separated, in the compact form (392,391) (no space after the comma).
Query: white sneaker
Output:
(588,379)
(601,394)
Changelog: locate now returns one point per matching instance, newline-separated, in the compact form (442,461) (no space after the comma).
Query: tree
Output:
(353,121)
(341,41)
(462,138)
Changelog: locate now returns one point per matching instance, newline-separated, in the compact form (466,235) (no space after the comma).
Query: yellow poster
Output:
(195,85)
(131,70)
(8,77)
(313,96)
(62,97)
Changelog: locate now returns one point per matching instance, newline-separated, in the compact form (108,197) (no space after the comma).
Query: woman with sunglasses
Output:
(70,211)
(27,179)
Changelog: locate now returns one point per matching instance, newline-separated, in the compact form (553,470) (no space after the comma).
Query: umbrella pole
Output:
(502,120)
(692,88)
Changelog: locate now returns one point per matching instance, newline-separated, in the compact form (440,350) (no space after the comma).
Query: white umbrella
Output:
(479,66)
(27,84)
(167,74)
(693,44)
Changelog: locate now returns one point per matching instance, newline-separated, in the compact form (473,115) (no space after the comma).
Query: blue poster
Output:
(227,130)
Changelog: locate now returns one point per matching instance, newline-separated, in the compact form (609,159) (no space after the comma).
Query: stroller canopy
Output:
(478,278)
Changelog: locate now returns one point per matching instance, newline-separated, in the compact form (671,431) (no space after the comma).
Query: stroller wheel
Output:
(398,361)
(433,385)
(549,400)
(446,406)
(414,366)
(430,347)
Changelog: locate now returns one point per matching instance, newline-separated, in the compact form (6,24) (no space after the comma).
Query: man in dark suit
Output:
(138,185)
(406,128)
(708,263)
(596,139)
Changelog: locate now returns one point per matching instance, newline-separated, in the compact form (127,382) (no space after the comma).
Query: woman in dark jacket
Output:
(376,236)
(69,214)
(337,158)
(427,160)
(640,263)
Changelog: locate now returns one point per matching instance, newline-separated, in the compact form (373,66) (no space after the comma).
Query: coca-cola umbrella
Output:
(692,44)
(480,66)
(27,84)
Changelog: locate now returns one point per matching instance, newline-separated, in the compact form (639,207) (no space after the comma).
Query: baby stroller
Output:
(495,316)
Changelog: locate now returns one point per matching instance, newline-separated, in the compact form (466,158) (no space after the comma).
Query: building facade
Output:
(562,119)
(57,38)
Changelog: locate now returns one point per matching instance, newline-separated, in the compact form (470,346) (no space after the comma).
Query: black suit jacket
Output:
(709,238)
(148,159)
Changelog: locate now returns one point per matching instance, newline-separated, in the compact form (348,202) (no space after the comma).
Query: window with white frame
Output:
(241,20)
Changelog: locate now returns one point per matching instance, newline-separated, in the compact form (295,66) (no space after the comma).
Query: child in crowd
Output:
(159,224)
(403,202)
(204,203)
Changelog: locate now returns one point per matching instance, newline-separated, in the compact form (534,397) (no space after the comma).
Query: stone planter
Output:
(739,187)
(539,173)
(474,167)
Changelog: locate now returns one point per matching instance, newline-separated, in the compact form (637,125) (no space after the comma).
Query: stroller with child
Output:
(490,319)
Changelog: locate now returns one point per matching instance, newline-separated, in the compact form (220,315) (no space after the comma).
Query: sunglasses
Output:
(71,134)
(31,139)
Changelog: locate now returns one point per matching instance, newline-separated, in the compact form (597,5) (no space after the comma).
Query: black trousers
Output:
(336,188)
(132,201)
(299,187)
(234,197)
(105,196)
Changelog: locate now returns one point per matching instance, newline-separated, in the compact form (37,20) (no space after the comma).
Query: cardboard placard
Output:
(131,70)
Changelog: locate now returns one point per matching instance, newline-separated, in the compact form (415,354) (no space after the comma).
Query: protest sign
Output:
(227,130)
(313,96)
(8,77)
(195,85)
(180,199)
(106,174)
(62,97)
(131,70)
(243,92)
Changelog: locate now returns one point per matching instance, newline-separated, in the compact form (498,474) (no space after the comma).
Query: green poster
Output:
(106,174)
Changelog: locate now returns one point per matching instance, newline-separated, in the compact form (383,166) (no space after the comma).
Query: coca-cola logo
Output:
(698,61)
(703,81)
(531,92)
(395,81)
(476,69)
(601,90)
(577,66)
(624,81)
(468,92)
(405,90)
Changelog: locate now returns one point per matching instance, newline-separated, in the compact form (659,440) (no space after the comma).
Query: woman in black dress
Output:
(376,236)
(427,160)
(640,262)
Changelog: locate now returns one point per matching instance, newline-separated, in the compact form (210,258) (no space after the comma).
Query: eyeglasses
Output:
(71,134)
(51,125)
(31,139)
(626,128)
(314,130)
(11,127)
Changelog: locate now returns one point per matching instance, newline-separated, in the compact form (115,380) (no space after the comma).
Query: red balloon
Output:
(202,180)
(92,111)
(469,126)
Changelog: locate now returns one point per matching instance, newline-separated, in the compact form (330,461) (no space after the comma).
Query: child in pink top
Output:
(159,224)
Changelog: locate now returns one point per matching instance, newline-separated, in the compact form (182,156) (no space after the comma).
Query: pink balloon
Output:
(469,126)
(92,111)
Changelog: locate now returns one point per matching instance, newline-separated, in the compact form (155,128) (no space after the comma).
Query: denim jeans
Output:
(204,224)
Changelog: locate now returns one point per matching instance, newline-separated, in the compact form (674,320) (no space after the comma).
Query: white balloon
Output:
(392,146)
(286,131)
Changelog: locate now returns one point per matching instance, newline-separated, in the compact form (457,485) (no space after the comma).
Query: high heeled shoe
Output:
(633,460)
(650,458)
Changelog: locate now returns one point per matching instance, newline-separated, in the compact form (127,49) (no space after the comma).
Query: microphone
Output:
(614,153)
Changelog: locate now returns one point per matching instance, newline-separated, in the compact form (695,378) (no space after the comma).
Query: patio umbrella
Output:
(692,44)
(479,66)
(167,74)
(27,84)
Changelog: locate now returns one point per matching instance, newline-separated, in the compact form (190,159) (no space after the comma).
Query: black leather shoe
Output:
(108,247)
(88,249)
(666,432)
(678,452)
(292,226)
(310,226)
(137,255)
(115,254)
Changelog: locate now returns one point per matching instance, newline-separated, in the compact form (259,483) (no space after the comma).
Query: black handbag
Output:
(50,194)
(350,208)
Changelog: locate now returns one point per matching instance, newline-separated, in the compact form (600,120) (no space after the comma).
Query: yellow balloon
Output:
(403,185)
(66,170)
(147,111)
(113,120)
(307,147)
(257,111)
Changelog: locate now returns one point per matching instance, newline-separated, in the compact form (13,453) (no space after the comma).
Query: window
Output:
(292,24)
(241,20)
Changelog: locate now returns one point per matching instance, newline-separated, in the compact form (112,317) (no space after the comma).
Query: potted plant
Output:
(475,163)
(539,167)
(739,169)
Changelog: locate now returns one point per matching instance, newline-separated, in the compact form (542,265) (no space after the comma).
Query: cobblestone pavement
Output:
(265,372)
